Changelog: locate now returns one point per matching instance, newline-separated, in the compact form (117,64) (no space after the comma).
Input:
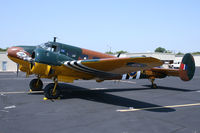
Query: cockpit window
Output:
(48,47)
(44,46)
(53,48)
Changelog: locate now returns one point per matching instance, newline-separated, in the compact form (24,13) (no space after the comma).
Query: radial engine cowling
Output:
(41,69)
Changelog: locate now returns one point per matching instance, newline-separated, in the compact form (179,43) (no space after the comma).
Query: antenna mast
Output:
(54,39)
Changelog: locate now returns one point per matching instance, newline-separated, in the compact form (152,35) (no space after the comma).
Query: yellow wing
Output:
(106,68)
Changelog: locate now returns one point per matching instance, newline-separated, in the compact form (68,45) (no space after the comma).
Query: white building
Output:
(178,58)
(6,64)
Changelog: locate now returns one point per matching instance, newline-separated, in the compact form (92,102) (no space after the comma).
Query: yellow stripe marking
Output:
(21,92)
(35,92)
(14,78)
(152,108)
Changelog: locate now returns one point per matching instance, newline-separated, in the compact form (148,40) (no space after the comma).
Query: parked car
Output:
(175,65)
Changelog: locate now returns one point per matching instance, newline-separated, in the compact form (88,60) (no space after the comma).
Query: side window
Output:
(54,48)
(4,65)
(63,51)
(73,55)
(95,58)
(49,48)
(68,53)
(84,57)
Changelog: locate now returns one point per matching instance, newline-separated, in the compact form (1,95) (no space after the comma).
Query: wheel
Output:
(48,91)
(36,85)
(154,86)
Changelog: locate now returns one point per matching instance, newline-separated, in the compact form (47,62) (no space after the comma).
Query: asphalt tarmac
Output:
(109,107)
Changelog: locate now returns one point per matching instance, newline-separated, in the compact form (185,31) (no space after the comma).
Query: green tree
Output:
(161,50)
(109,52)
(180,53)
(121,51)
(196,53)
(3,50)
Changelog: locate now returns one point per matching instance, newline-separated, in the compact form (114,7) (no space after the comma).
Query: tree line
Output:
(159,50)
(2,49)
(163,50)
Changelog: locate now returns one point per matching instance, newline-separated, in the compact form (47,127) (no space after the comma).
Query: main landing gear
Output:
(52,90)
(153,85)
(36,85)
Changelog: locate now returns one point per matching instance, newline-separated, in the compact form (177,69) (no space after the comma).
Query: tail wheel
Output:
(154,86)
(36,85)
(52,91)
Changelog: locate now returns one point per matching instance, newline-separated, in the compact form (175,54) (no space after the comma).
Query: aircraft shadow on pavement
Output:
(171,88)
(71,91)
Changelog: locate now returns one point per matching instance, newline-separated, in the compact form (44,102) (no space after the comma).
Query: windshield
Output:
(48,47)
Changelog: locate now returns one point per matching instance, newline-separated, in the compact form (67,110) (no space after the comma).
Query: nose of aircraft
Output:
(12,51)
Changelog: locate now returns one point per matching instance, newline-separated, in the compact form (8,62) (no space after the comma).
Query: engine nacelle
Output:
(41,69)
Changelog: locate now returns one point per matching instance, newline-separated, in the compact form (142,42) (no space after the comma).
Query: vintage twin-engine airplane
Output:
(65,63)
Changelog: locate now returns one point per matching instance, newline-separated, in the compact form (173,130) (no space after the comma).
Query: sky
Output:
(100,25)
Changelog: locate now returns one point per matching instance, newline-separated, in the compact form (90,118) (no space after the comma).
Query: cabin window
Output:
(95,58)
(48,49)
(68,53)
(53,48)
(73,55)
(84,57)
(62,51)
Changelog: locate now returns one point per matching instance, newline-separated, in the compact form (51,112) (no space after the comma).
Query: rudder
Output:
(187,67)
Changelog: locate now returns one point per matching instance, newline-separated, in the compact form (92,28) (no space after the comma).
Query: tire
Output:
(33,85)
(154,86)
(48,91)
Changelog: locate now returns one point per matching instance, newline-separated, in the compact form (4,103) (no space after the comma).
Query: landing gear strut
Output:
(52,90)
(36,85)
(153,85)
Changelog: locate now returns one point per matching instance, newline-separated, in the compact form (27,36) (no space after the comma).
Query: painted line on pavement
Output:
(10,107)
(4,111)
(35,92)
(14,78)
(47,82)
(131,109)
(98,88)
(130,82)
(21,92)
